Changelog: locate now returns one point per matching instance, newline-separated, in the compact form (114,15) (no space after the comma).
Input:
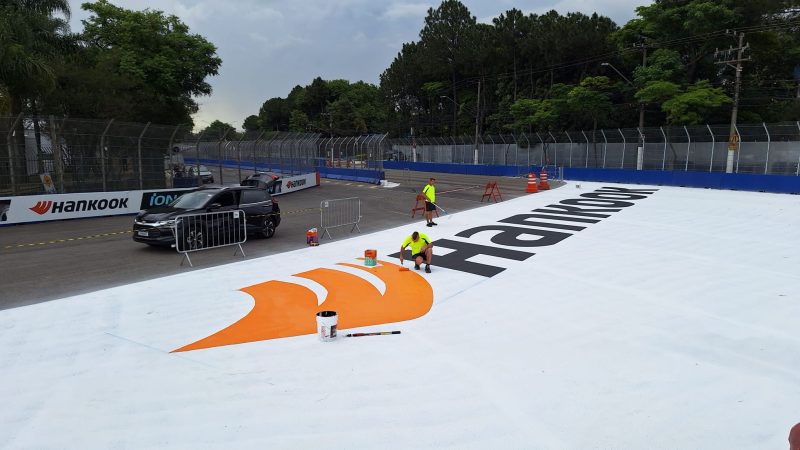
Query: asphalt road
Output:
(51,260)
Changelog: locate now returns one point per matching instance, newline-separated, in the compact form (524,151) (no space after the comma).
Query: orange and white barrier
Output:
(543,184)
(532,188)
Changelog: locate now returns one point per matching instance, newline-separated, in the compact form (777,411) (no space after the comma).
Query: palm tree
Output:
(32,36)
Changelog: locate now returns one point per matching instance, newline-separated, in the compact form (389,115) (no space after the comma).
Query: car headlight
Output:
(165,223)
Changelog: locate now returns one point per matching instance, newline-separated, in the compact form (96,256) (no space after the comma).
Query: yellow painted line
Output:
(61,241)
(116,233)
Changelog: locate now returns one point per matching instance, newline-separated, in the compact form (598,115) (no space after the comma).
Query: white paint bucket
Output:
(326,325)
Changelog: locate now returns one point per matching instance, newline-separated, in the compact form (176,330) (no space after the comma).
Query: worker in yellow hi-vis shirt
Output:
(421,250)
(429,191)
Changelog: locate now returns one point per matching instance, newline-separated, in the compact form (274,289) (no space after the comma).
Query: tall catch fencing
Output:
(760,148)
(80,155)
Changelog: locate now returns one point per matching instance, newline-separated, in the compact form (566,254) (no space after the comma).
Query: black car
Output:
(268,181)
(156,226)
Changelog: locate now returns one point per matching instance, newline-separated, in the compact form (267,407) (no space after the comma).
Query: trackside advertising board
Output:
(41,208)
(297,183)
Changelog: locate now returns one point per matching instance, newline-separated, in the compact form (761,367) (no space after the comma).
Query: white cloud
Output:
(269,46)
(406,10)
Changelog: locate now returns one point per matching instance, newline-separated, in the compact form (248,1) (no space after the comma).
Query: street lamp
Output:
(640,150)
(477,121)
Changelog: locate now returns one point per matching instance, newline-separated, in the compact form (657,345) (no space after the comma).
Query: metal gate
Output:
(195,232)
(338,213)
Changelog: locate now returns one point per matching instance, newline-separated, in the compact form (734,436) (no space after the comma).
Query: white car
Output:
(205,174)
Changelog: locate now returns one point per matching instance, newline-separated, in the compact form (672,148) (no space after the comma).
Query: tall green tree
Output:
(217,129)
(274,114)
(152,60)
(591,100)
(33,33)
(448,36)
(251,123)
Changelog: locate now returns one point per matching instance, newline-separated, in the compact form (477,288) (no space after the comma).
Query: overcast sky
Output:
(269,46)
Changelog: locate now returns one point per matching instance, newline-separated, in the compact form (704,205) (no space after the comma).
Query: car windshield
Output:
(204,169)
(193,200)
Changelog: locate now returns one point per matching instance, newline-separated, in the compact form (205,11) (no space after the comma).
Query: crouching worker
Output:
(421,250)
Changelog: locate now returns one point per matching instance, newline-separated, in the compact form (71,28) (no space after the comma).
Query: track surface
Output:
(52,260)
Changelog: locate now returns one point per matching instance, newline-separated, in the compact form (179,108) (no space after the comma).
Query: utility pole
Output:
(477,122)
(733,139)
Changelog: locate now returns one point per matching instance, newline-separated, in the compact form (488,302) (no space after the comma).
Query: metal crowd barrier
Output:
(195,232)
(338,213)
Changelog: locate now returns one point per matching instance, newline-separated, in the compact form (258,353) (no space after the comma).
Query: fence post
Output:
(688,148)
(541,158)
(239,155)
(769,141)
(527,141)
(172,138)
(219,153)
(570,147)
(664,155)
(11,146)
(555,151)
(103,152)
(624,144)
(58,163)
(797,172)
(713,144)
(139,155)
(255,145)
(738,150)
(640,150)
(586,138)
(197,162)
(605,145)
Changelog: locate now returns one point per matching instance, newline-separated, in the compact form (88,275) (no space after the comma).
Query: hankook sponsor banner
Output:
(40,208)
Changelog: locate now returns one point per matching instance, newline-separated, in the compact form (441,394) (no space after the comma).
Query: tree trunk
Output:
(18,138)
(37,132)
(455,104)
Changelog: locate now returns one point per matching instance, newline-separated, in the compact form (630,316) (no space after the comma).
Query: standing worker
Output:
(421,250)
(429,191)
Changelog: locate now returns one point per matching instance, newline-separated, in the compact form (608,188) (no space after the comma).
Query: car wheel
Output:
(194,238)
(267,228)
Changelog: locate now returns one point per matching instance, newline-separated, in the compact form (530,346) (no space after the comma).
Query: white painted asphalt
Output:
(672,323)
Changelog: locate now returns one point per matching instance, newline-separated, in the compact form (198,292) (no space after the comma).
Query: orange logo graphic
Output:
(285,309)
(41,207)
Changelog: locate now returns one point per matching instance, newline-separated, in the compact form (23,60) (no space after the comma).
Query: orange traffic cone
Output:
(543,184)
(532,188)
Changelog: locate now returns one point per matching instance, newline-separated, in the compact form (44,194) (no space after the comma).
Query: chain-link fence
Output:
(79,155)
(762,148)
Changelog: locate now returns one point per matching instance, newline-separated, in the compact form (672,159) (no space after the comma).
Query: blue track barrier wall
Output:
(462,169)
(372,176)
(735,181)
(360,175)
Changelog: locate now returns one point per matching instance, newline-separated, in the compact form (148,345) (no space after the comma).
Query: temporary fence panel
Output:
(195,232)
(338,213)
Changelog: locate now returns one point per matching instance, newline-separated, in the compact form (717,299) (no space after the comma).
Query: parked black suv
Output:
(155,226)
(269,181)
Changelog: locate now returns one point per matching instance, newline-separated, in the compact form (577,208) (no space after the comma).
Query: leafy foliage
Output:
(134,65)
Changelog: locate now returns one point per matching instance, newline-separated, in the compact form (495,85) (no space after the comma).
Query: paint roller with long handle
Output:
(377,333)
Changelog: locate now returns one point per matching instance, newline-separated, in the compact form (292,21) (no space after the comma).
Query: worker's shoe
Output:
(434,223)
(416,266)
(427,268)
